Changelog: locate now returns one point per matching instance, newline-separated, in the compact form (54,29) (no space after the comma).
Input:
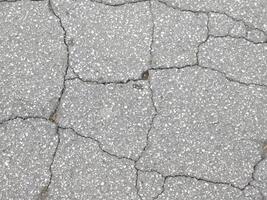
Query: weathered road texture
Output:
(133,100)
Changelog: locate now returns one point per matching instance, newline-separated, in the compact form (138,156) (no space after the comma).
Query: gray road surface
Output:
(133,99)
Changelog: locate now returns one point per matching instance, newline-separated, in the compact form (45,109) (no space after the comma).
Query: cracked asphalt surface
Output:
(133,100)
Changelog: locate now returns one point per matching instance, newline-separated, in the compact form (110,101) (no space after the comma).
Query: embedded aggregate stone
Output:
(32,59)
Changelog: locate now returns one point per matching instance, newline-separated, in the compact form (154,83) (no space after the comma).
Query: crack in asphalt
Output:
(43,195)
(22,118)
(118,4)
(238,37)
(144,76)
(247,25)
(242,189)
(50,6)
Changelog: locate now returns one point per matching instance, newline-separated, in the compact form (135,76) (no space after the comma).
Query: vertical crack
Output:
(152,34)
(44,193)
(145,76)
(204,41)
(53,116)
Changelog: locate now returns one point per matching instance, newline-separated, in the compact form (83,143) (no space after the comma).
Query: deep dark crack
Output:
(117,4)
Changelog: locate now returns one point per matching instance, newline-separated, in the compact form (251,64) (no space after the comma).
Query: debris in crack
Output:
(145,75)
(53,117)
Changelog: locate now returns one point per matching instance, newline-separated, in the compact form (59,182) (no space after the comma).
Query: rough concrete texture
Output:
(133,99)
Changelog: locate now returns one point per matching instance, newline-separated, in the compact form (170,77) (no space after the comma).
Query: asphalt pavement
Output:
(133,99)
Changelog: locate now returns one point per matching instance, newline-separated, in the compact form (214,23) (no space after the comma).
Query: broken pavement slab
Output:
(108,43)
(128,121)
(81,170)
(32,59)
(118,115)
(206,126)
(26,152)
(237,58)
(177,35)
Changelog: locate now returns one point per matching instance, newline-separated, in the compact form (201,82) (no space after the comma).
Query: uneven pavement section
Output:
(32,59)
(237,58)
(118,115)
(206,126)
(106,43)
(176,36)
(82,171)
(26,153)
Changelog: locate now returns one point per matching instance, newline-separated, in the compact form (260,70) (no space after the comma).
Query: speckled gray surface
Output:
(133,99)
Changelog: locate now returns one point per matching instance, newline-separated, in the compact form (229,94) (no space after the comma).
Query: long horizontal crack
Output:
(22,118)
(231,79)
(118,4)
(247,25)
(238,37)
(242,189)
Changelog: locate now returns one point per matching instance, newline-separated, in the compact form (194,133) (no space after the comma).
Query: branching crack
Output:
(238,37)
(247,25)
(206,181)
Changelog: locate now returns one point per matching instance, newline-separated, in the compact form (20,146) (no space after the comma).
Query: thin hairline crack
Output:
(50,7)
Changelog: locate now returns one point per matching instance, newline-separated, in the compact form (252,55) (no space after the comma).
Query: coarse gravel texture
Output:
(133,99)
